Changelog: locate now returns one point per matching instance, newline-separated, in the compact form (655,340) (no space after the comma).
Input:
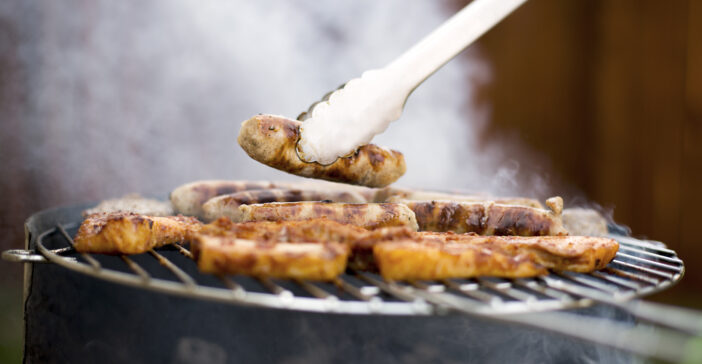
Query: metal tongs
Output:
(378,96)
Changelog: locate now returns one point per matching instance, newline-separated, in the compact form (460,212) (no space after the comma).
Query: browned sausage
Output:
(272,140)
(369,216)
(486,218)
(228,205)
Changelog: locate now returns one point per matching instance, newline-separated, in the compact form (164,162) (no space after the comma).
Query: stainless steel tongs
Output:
(352,115)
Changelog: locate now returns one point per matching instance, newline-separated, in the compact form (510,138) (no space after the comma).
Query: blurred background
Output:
(597,101)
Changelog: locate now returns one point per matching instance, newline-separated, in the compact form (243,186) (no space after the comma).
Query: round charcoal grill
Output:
(640,267)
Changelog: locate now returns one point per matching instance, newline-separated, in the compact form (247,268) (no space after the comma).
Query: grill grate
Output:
(640,268)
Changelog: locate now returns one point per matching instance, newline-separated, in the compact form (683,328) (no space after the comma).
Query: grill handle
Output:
(23,256)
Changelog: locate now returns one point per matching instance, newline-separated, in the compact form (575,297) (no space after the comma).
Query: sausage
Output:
(486,218)
(228,205)
(392,194)
(272,140)
(369,216)
(188,198)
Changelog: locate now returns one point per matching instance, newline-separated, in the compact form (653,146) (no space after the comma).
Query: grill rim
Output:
(415,303)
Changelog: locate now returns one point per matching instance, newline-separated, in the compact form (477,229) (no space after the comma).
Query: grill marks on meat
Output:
(445,255)
(188,198)
(369,216)
(312,261)
(312,249)
(131,233)
(572,253)
(431,260)
(485,218)
(228,205)
(392,194)
(272,140)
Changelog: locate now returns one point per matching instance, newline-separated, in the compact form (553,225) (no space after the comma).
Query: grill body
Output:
(72,317)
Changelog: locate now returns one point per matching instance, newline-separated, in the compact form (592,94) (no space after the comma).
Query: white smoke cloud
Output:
(144,96)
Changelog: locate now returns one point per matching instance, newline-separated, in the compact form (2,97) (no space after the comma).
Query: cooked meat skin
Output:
(572,253)
(430,260)
(485,218)
(272,140)
(369,216)
(312,261)
(360,240)
(228,205)
(130,233)
(447,255)
(188,198)
(392,194)
(132,203)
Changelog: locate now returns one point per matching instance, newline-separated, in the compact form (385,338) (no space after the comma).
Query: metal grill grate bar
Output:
(649,262)
(642,269)
(653,255)
(274,288)
(184,277)
(136,268)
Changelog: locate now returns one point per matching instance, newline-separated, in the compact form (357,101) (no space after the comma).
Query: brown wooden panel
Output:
(610,93)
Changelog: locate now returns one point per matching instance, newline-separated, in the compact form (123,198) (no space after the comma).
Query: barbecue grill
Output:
(164,285)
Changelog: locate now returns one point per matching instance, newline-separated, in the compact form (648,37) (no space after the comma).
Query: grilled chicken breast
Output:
(360,240)
(313,249)
(272,140)
(131,233)
(446,255)
(571,253)
(369,216)
(485,218)
(313,261)
(228,205)
(431,260)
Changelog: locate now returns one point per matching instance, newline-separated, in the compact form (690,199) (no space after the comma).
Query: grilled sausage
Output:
(486,218)
(272,140)
(131,233)
(228,205)
(392,194)
(188,198)
(369,216)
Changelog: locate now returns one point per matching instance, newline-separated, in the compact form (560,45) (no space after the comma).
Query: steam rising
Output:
(144,96)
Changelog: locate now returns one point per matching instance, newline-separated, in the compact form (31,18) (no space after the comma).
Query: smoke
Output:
(141,97)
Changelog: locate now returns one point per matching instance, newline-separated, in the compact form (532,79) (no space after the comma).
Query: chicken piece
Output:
(228,205)
(360,240)
(369,216)
(131,233)
(568,253)
(312,261)
(487,218)
(431,260)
